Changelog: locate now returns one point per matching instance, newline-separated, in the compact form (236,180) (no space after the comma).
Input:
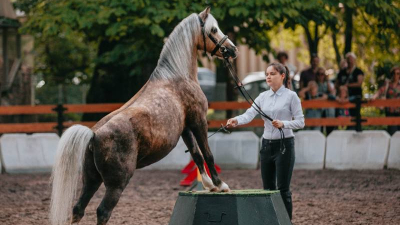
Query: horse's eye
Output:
(214,30)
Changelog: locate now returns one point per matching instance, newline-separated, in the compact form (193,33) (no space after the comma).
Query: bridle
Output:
(243,91)
(218,45)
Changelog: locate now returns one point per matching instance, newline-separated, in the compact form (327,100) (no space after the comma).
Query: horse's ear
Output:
(203,15)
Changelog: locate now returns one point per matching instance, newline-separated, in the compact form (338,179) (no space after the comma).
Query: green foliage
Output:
(111,41)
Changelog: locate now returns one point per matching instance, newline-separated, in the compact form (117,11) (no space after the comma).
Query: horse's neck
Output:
(193,66)
(164,71)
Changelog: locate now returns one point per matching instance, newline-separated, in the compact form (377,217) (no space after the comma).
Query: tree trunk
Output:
(335,46)
(349,29)
(312,43)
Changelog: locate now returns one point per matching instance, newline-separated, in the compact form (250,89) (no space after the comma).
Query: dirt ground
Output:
(319,197)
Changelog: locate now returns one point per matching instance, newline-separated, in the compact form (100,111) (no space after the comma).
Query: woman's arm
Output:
(331,88)
(297,114)
(250,113)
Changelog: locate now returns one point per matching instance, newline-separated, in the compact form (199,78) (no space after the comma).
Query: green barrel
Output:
(238,207)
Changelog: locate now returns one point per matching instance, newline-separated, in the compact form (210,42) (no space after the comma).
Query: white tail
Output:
(65,176)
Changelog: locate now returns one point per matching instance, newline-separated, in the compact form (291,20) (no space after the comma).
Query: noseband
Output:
(218,45)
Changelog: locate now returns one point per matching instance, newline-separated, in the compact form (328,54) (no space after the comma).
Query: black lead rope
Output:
(223,128)
(223,50)
(252,103)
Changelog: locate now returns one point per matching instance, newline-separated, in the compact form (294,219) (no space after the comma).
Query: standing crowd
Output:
(347,87)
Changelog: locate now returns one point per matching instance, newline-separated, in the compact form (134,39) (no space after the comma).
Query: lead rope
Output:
(247,96)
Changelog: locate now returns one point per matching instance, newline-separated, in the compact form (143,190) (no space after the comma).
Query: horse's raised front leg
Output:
(191,143)
(91,182)
(200,133)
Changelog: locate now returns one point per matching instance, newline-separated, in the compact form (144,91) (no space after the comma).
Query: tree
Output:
(128,35)
(122,39)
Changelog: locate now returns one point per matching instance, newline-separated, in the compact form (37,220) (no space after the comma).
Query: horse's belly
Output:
(155,154)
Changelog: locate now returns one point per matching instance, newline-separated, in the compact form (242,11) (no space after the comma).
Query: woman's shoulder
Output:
(290,92)
(358,71)
(263,94)
(292,95)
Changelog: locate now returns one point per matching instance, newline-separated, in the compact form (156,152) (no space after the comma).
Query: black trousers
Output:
(277,168)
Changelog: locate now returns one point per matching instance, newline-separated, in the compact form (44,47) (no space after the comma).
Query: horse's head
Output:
(213,40)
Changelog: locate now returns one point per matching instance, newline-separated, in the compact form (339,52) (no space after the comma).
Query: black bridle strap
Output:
(218,45)
(203,31)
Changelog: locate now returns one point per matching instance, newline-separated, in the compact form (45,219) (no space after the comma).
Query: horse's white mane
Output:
(176,55)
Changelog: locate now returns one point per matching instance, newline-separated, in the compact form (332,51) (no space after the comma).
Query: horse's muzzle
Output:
(232,52)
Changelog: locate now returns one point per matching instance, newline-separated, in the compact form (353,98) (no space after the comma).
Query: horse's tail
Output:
(66,171)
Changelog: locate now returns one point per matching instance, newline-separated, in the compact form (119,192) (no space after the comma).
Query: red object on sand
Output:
(191,170)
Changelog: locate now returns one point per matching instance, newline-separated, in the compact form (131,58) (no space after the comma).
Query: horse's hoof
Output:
(224,187)
(214,189)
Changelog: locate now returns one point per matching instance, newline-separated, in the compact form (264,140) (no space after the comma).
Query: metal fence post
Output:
(60,118)
(357,118)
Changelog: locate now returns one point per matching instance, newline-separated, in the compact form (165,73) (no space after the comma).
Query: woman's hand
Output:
(232,122)
(277,123)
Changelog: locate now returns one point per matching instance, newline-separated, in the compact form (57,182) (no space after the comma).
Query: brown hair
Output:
(282,70)
(392,71)
(282,54)
(322,69)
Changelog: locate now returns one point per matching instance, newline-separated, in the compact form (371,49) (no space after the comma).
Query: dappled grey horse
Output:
(145,129)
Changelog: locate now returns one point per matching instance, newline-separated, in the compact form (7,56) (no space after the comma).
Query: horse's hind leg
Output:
(91,182)
(200,133)
(110,200)
(116,172)
(191,143)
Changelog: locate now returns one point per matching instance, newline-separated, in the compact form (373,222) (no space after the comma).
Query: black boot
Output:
(287,200)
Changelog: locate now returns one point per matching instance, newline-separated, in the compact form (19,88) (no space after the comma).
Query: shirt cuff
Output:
(238,119)
(285,124)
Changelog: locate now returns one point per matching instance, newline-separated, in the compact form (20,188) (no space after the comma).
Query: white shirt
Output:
(283,105)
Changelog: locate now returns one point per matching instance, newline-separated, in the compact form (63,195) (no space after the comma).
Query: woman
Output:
(326,87)
(391,90)
(281,104)
(311,92)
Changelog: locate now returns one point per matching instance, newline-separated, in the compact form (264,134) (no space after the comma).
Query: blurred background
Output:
(103,51)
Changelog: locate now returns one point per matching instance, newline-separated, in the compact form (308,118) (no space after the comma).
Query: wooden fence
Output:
(105,108)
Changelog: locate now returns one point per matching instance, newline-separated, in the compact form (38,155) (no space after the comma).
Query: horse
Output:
(144,130)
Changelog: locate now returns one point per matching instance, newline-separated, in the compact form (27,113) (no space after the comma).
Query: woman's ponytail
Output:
(287,78)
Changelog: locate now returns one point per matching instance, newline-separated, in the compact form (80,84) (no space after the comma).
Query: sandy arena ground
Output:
(319,197)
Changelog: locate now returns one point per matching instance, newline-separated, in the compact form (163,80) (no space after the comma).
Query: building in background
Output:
(15,72)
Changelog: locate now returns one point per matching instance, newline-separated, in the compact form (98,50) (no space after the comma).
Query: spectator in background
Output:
(352,77)
(283,59)
(309,74)
(311,92)
(342,64)
(326,87)
(391,90)
(342,97)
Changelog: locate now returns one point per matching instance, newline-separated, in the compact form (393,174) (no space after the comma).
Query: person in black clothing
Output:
(352,77)
(311,73)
